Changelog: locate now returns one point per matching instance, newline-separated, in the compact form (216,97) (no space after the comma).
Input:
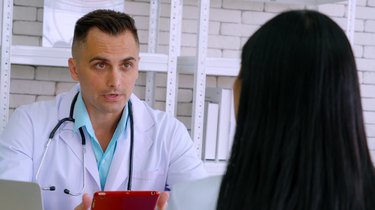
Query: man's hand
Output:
(162,201)
(85,204)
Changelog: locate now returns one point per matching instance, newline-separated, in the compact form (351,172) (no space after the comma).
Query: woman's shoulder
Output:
(198,194)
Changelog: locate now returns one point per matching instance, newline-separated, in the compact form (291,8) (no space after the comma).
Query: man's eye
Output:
(100,65)
(127,65)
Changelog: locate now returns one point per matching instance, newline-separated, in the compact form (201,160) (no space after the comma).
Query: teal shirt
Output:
(103,158)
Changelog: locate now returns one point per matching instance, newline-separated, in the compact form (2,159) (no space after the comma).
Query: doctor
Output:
(98,136)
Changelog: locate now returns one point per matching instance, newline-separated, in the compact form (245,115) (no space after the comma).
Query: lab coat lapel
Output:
(74,142)
(143,122)
(117,178)
(73,139)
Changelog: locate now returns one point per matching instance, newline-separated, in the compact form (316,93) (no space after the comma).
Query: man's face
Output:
(106,67)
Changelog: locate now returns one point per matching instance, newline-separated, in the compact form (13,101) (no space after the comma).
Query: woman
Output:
(300,142)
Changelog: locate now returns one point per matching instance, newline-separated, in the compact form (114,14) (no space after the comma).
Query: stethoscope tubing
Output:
(130,175)
(50,137)
(71,119)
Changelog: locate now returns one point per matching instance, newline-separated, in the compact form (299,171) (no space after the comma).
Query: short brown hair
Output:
(108,21)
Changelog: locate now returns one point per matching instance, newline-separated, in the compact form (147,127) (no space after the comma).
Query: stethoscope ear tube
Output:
(52,134)
(67,191)
(130,108)
(71,119)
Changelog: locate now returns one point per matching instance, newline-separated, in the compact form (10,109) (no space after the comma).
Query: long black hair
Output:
(300,142)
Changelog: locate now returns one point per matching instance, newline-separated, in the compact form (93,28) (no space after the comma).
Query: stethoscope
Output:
(71,119)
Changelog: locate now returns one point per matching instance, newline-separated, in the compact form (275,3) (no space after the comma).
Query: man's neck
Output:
(104,128)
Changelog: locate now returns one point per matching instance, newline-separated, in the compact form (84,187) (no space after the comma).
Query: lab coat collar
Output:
(143,120)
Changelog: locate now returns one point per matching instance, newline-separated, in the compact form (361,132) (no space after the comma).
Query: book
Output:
(210,131)
(223,97)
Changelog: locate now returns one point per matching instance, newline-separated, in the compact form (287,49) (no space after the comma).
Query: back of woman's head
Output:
(300,141)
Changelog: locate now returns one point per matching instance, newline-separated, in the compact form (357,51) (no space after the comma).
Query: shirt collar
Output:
(82,118)
(81,115)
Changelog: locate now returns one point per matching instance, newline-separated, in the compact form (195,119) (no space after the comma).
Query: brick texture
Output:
(25,13)
(231,23)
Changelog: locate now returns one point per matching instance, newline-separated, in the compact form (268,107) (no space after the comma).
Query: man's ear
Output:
(73,69)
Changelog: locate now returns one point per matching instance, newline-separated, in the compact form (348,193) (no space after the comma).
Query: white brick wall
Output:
(370,26)
(25,13)
(29,3)
(32,87)
(231,23)
(369,51)
(369,117)
(333,10)
(26,40)
(365,64)
(368,91)
(16,100)
(23,72)
(27,28)
(244,5)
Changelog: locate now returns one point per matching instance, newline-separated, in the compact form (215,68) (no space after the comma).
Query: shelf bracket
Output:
(6,42)
(200,77)
(174,52)
(152,46)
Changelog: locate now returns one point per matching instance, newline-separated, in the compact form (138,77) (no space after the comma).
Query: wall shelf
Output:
(214,66)
(47,56)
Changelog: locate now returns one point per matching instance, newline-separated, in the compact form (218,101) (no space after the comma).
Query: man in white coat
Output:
(108,139)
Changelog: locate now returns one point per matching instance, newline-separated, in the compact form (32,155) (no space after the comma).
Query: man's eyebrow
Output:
(96,58)
(100,58)
(129,59)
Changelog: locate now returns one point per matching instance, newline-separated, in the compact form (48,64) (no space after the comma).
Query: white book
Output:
(210,131)
(224,134)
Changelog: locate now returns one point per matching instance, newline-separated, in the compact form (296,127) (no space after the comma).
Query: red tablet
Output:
(125,200)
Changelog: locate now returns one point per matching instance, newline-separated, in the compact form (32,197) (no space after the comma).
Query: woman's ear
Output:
(72,64)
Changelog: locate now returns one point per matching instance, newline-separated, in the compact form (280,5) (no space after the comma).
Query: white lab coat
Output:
(163,152)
